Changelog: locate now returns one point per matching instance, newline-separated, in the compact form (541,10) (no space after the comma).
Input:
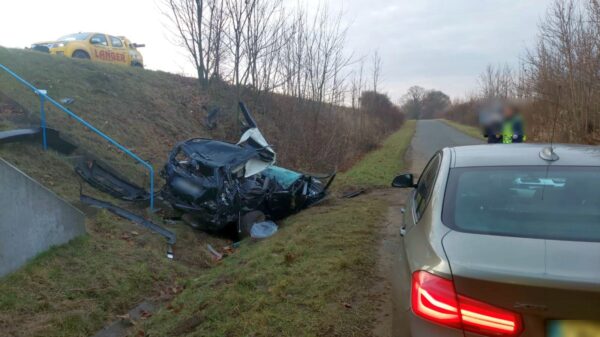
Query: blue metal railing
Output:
(42,94)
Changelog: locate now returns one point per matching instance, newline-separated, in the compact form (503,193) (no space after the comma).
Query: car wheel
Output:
(248,220)
(80,54)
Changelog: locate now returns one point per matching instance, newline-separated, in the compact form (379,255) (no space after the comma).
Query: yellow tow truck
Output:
(96,47)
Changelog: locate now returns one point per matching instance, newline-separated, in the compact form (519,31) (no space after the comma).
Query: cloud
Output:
(439,43)
(442,44)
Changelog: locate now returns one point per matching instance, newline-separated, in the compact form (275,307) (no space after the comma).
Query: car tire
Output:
(80,54)
(248,220)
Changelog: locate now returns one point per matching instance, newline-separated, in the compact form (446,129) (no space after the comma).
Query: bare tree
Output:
(199,26)
(558,80)
(376,68)
(562,74)
(412,101)
(497,82)
(217,22)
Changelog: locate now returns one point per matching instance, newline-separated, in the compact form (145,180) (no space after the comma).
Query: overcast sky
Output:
(441,44)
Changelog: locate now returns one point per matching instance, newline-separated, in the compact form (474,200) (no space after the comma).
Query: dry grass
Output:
(311,279)
(377,168)
(150,111)
(75,289)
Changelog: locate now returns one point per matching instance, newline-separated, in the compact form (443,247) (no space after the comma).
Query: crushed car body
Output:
(219,183)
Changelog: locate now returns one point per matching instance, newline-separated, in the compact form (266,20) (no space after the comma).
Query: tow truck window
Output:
(557,203)
(74,37)
(99,39)
(116,42)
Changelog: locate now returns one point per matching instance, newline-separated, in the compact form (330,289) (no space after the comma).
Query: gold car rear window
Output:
(551,202)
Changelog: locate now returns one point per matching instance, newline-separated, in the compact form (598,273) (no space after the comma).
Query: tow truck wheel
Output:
(248,220)
(80,54)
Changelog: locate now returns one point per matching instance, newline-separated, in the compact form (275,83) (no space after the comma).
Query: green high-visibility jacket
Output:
(513,131)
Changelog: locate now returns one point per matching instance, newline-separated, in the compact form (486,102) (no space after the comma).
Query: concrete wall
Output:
(32,219)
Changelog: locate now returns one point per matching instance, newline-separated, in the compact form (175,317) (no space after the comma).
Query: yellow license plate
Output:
(574,329)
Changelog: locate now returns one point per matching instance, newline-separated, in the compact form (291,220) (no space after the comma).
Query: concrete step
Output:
(32,219)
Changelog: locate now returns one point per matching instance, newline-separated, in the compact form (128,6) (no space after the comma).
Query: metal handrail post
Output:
(43,118)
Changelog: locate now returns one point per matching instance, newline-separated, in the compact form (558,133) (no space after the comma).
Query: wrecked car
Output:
(218,183)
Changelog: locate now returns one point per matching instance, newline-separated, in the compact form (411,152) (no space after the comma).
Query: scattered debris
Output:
(53,138)
(210,122)
(106,179)
(188,325)
(229,250)
(218,183)
(120,328)
(263,230)
(170,236)
(353,194)
(217,256)
(67,101)
(289,258)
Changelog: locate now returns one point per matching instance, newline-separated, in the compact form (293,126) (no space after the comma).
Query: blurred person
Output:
(502,123)
(491,120)
(513,130)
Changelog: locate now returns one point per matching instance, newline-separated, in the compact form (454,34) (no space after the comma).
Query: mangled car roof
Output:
(217,154)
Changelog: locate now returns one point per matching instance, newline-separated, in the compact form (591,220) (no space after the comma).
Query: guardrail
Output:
(43,95)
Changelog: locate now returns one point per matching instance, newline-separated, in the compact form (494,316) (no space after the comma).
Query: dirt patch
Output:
(389,243)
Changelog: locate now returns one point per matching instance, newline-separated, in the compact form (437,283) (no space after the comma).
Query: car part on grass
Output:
(353,194)
(216,255)
(211,120)
(170,236)
(106,179)
(263,230)
(218,183)
(55,141)
(67,101)
(248,220)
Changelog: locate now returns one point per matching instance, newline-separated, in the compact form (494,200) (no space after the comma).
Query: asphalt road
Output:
(432,136)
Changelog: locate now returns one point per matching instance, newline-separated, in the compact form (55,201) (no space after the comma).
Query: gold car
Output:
(95,47)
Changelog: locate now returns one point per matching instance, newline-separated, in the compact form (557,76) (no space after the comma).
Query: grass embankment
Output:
(311,279)
(76,289)
(150,111)
(299,280)
(467,129)
(377,167)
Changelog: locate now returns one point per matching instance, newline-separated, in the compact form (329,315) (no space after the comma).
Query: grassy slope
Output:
(311,279)
(133,106)
(375,168)
(468,129)
(74,290)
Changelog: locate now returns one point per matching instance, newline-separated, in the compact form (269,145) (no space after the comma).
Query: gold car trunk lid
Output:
(542,279)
